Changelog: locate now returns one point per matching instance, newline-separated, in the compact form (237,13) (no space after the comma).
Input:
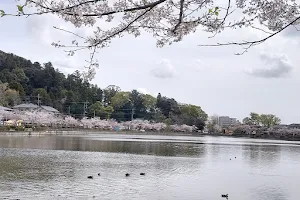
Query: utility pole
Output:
(69,110)
(84,107)
(27,99)
(38,99)
(132,112)
(94,114)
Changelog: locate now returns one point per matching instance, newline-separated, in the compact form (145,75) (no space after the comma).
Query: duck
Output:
(142,174)
(225,196)
(90,177)
(127,174)
(99,174)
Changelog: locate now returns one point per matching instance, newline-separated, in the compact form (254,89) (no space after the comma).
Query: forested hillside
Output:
(22,81)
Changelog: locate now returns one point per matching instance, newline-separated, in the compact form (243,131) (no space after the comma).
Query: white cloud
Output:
(200,65)
(165,70)
(276,66)
(67,62)
(41,27)
(143,91)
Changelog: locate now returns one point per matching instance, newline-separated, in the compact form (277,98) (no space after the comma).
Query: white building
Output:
(225,121)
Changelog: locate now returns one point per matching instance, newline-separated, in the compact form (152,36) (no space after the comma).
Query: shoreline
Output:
(86,132)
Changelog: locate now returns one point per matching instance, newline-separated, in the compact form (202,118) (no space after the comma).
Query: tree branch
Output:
(252,43)
(260,29)
(124,28)
(66,8)
(180,16)
(69,32)
(139,7)
(224,19)
(226,15)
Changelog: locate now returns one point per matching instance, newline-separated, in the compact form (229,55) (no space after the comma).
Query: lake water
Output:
(176,167)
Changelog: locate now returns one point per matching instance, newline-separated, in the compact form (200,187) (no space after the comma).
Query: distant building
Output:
(26,107)
(34,107)
(49,109)
(225,121)
(297,126)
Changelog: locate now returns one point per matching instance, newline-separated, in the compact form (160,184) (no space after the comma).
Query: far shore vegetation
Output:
(82,105)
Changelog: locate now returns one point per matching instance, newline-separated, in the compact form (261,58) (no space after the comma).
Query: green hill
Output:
(22,81)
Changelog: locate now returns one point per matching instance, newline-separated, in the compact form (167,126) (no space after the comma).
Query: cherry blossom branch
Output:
(123,29)
(50,10)
(224,19)
(160,18)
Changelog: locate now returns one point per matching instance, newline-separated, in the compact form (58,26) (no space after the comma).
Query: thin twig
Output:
(252,43)
(296,28)
(260,29)
(69,32)
(223,21)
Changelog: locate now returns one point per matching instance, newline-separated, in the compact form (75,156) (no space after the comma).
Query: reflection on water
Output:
(56,167)
(267,193)
(269,154)
(84,144)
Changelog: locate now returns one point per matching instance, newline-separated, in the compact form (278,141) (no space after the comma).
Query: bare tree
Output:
(167,20)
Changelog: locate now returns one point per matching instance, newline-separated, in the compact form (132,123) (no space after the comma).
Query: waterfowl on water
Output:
(90,177)
(142,174)
(225,196)
(127,174)
(99,174)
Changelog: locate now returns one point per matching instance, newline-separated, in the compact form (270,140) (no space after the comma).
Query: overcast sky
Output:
(264,80)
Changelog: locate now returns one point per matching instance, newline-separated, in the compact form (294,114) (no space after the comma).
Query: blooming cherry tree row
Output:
(52,120)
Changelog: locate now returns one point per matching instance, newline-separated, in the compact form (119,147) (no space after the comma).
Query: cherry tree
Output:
(50,119)
(168,21)
(70,121)
(6,115)
(28,117)
(144,125)
(99,124)
(159,126)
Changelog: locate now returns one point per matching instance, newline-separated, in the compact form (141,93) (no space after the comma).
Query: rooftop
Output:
(50,109)
(5,108)
(26,105)
(34,106)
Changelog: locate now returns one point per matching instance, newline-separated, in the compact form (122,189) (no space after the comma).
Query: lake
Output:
(175,167)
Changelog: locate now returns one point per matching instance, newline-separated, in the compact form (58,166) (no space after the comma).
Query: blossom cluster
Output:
(276,131)
(168,21)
